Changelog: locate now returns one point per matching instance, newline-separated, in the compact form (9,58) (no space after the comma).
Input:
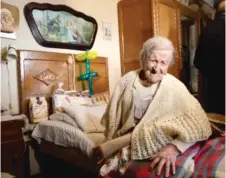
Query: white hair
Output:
(156,45)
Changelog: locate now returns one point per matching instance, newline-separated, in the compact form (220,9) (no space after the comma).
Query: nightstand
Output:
(12,145)
(30,161)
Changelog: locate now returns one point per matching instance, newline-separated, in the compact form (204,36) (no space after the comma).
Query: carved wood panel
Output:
(39,73)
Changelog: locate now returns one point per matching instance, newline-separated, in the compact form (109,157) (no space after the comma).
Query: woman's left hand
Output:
(166,156)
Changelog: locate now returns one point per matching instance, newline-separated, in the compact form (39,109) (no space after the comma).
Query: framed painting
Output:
(60,26)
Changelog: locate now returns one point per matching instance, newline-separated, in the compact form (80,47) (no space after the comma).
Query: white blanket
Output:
(66,135)
(87,118)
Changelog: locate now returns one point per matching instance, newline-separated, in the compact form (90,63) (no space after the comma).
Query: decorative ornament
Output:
(47,77)
(70,60)
(7,21)
(87,56)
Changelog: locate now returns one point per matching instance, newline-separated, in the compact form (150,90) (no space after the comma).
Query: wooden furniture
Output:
(216,118)
(12,147)
(55,67)
(141,19)
(135,26)
(67,70)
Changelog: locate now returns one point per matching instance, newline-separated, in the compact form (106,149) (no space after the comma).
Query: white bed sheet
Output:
(63,134)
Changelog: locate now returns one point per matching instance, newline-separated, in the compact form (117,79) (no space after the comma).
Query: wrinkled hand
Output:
(166,156)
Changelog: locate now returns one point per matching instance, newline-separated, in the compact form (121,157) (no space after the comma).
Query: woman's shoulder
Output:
(170,79)
(130,75)
(128,78)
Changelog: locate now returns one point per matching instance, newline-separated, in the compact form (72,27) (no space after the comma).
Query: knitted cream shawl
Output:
(173,113)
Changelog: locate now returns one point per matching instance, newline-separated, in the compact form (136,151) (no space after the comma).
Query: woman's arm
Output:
(111,117)
(182,146)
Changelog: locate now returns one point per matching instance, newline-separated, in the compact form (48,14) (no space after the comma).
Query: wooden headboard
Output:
(39,73)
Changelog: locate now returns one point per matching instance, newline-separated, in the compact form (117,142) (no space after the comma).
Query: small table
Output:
(12,145)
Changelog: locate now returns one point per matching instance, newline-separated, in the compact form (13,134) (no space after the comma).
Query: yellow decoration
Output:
(90,55)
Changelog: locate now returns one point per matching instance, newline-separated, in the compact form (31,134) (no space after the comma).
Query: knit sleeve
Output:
(182,146)
(110,120)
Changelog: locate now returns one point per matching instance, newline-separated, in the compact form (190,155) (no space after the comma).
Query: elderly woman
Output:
(154,111)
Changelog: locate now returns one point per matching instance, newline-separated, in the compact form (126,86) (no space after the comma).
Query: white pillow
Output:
(87,118)
(63,117)
(57,101)
(79,100)
(63,99)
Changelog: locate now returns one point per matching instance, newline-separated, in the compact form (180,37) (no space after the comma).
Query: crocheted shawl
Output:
(173,113)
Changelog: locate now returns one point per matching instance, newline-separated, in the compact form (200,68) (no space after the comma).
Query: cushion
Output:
(38,109)
(87,118)
(63,117)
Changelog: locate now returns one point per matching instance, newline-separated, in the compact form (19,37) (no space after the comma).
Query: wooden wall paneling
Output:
(179,47)
(135,27)
(130,65)
(142,19)
(168,25)
(155,18)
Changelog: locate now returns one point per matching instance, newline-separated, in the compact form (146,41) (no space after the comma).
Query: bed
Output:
(67,70)
(34,62)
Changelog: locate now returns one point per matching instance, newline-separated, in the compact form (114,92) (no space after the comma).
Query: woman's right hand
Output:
(166,156)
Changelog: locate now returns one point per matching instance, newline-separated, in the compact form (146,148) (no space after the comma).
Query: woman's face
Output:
(156,67)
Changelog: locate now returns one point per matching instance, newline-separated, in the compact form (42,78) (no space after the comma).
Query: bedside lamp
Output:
(11,54)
